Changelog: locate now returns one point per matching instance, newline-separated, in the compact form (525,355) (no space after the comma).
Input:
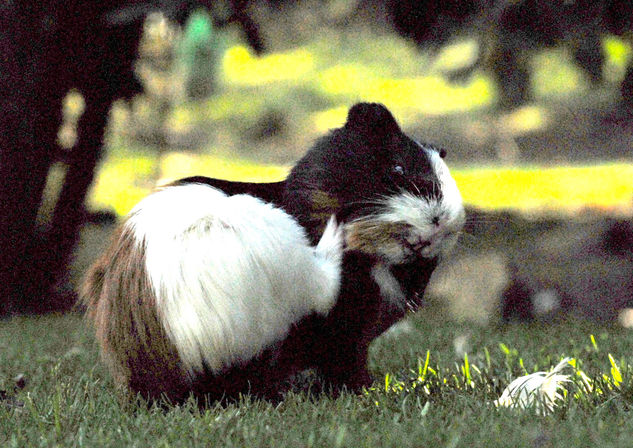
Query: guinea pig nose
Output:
(436,220)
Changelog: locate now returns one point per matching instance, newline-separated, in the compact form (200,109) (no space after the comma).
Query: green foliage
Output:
(199,54)
(425,393)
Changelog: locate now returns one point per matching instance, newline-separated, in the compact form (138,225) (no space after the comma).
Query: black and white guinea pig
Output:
(402,211)
(168,325)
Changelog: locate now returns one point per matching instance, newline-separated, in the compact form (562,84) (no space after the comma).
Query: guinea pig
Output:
(401,212)
(198,282)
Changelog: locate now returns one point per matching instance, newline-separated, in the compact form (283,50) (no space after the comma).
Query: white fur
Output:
(451,205)
(231,274)
(418,213)
(389,287)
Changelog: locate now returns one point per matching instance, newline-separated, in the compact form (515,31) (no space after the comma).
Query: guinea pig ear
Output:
(373,120)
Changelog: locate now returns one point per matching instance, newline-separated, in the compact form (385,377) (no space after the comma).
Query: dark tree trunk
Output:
(59,241)
(106,62)
(47,48)
(30,114)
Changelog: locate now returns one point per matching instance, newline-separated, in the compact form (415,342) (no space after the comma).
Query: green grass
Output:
(69,400)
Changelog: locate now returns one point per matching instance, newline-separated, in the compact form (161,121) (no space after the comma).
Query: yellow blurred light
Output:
(180,120)
(344,79)
(117,185)
(553,74)
(617,51)
(607,187)
(617,54)
(430,95)
(525,119)
(329,119)
(457,55)
(176,165)
(242,68)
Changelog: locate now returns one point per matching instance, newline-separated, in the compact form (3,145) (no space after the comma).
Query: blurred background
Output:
(532,99)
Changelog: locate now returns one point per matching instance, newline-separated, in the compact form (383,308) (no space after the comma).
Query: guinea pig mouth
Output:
(416,247)
(425,245)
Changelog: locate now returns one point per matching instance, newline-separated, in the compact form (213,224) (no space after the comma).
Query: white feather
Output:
(539,390)
(231,274)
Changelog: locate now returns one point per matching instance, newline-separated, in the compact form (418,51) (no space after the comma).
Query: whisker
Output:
(488,217)
(369,206)
(415,186)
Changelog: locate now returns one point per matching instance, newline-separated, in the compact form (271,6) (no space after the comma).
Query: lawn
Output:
(435,383)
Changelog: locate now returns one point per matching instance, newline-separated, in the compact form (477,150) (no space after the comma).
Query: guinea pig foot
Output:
(414,303)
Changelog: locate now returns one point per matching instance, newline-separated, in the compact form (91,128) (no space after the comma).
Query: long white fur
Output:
(231,274)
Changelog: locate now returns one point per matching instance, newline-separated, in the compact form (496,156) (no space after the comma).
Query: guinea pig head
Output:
(396,196)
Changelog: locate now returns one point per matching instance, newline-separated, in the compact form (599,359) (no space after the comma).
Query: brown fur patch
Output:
(122,306)
(322,206)
(324,201)
(373,237)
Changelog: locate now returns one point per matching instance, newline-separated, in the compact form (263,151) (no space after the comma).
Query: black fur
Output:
(268,191)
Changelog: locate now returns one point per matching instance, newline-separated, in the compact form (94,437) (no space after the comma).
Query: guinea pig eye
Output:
(398,170)
(442,152)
